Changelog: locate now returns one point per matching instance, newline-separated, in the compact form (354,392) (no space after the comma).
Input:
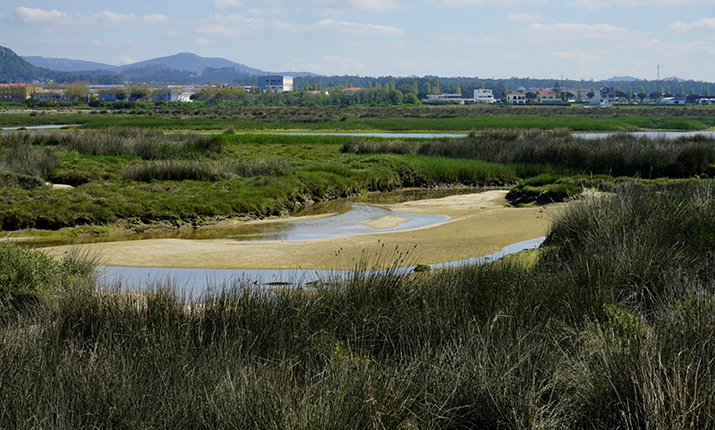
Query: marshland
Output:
(609,324)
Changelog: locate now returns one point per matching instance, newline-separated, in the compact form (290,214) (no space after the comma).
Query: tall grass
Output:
(123,141)
(616,155)
(182,170)
(611,328)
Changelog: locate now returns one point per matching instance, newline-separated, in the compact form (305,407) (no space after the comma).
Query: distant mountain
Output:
(14,69)
(187,62)
(67,65)
(622,79)
(674,78)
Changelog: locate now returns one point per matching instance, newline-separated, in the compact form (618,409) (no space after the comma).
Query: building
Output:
(276,83)
(673,100)
(547,96)
(17,93)
(483,96)
(604,97)
(516,97)
(51,95)
(444,98)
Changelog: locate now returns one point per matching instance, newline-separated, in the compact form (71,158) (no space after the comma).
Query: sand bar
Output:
(480,224)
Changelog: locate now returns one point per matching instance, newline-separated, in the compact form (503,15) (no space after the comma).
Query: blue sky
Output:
(579,39)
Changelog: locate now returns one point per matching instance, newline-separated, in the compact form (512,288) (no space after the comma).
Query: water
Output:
(351,222)
(40,127)
(398,135)
(197,282)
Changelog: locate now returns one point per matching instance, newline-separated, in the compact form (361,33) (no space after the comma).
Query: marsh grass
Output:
(615,155)
(611,327)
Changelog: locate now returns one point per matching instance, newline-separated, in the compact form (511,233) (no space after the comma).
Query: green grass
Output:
(608,326)
(436,118)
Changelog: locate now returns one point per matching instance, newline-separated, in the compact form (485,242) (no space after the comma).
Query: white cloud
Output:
(174,33)
(355,28)
(228,3)
(218,30)
(349,65)
(204,42)
(457,38)
(468,3)
(101,19)
(398,44)
(378,5)
(606,4)
(124,59)
(34,15)
(524,17)
(703,24)
(577,31)
(235,25)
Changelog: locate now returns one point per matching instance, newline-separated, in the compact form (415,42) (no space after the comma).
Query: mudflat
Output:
(480,224)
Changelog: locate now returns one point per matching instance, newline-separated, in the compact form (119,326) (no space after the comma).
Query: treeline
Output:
(336,97)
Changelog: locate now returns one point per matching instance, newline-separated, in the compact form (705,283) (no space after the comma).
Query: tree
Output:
(77,91)
(580,93)
(139,92)
(120,94)
(395,97)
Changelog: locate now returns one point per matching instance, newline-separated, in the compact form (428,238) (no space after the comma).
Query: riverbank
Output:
(480,224)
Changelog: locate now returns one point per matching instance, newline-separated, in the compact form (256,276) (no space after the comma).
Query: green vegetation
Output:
(610,326)
(356,118)
(131,177)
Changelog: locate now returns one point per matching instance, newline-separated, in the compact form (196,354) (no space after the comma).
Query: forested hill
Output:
(14,69)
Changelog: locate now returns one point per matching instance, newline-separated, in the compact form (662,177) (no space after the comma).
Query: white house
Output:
(516,97)
(604,97)
(483,96)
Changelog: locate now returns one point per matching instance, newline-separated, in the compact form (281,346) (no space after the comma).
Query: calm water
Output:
(350,222)
(197,282)
(348,216)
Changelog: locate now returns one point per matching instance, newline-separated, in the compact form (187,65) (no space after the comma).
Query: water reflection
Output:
(349,223)
(273,230)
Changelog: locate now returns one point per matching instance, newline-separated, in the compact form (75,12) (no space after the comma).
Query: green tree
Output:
(77,91)
(411,99)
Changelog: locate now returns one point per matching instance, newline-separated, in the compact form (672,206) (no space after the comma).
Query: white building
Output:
(516,97)
(276,83)
(444,98)
(673,100)
(483,96)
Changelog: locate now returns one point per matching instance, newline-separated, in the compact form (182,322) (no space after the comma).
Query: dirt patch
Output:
(480,225)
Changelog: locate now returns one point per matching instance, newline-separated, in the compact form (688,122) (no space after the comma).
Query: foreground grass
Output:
(611,327)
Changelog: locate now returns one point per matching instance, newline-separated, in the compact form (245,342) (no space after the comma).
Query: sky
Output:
(576,39)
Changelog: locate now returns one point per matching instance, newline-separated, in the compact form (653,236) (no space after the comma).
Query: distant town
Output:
(188,79)
(52,94)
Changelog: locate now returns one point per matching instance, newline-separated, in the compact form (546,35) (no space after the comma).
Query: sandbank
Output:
(480,224)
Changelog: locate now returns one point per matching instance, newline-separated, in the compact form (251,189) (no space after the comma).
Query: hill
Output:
(622,79)
(68,65)
(14,69)
(188,62)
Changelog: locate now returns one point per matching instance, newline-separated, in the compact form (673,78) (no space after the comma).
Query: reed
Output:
(611,327)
